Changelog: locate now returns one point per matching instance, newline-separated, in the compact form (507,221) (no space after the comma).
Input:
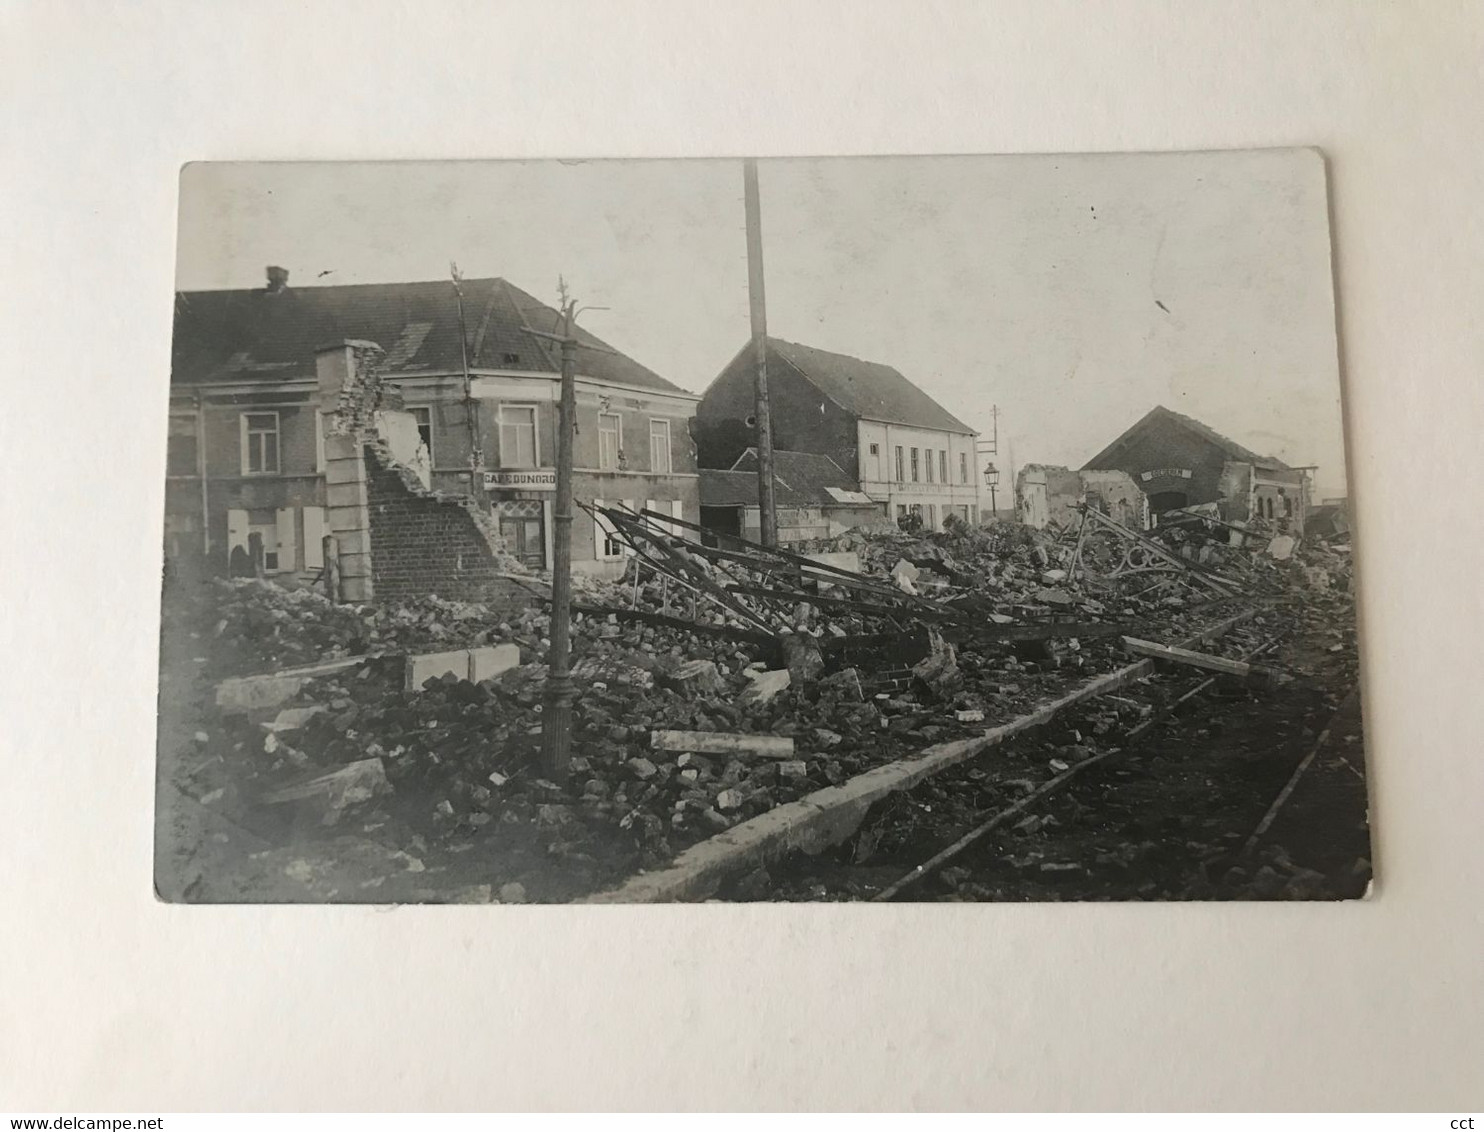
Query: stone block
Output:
(346,494)
(356,541)
(487,662)
(350,518)
(430,666)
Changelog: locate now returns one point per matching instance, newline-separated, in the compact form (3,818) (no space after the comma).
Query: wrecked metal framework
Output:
(758,594)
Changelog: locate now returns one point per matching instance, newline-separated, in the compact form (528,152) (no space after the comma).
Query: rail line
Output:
(942,858)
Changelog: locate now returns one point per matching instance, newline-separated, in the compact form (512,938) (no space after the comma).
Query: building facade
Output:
(246,465)
(814,498)
(902,449)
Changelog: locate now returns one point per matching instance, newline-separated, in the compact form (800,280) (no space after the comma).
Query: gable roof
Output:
(801,479)
(868,389)
(1159,413)
(237,335)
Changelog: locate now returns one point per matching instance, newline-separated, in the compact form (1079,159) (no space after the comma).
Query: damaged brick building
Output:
(246,474)
(1177,461)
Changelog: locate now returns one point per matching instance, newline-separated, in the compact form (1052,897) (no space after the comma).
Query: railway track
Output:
(1169,792)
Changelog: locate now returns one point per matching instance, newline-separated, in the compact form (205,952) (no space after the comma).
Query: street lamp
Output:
(992,479)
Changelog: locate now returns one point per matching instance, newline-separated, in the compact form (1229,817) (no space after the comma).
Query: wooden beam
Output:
(723,743)
(1238,668)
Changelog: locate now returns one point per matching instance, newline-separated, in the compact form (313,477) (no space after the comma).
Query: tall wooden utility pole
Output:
(471,410)
(556,711)
(757,306)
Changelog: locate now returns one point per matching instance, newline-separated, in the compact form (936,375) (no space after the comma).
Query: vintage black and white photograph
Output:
(916,529)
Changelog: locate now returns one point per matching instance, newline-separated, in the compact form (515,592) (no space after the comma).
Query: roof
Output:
(1190,424)
(868,389)
(801,479)
(255,334)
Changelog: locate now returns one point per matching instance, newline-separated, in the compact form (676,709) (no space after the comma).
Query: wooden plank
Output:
(1238,668)
(723,743)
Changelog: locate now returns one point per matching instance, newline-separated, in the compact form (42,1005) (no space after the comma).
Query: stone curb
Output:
(827,817)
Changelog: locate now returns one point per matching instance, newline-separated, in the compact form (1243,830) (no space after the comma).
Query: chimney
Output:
(278,279)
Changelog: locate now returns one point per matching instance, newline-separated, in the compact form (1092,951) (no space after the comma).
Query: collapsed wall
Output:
(395,537)
(423,542)
(1116,495)
(1048,495)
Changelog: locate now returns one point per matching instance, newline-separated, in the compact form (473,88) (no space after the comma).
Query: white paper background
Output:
(110,1001)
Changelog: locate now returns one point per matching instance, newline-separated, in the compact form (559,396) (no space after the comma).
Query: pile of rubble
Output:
(247,625)
(711,689)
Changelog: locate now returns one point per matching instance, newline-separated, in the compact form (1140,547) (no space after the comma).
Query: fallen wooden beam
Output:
(1241,669)
(723,743)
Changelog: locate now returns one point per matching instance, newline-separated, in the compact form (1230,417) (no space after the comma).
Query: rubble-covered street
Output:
(362,783)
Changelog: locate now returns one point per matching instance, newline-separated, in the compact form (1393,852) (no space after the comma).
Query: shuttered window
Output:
(659,446)
(518,436)
(259,444)
(610,440)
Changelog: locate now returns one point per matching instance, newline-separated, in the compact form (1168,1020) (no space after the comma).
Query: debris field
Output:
(717,682)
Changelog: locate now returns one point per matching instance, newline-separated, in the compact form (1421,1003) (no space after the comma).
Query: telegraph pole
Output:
(757,307)
(471,412)
(556,711)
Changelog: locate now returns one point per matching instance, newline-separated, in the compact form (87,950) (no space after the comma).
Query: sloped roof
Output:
(236,335)
(801,479)
(867,389)
(1159,413)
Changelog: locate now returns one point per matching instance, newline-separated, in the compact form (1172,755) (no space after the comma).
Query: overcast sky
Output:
(1073,292)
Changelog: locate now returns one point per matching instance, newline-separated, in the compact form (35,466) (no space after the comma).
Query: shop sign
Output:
(1165,473)
(520,481)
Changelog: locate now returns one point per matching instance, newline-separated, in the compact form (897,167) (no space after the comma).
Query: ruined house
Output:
(246,478)
(1048,495)
(1177,461)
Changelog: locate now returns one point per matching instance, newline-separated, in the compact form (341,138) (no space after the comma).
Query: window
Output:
(180,450)
(608,544)
(963,467)
(610,440)
(659,446)
(518,436)
(875,450)
(914,465)
(901,507)
(424,417)
(900,477)
(928,452)
(260,540)
(259,444)
(943,466)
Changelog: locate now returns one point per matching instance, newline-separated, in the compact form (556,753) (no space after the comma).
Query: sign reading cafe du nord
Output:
(523,481)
